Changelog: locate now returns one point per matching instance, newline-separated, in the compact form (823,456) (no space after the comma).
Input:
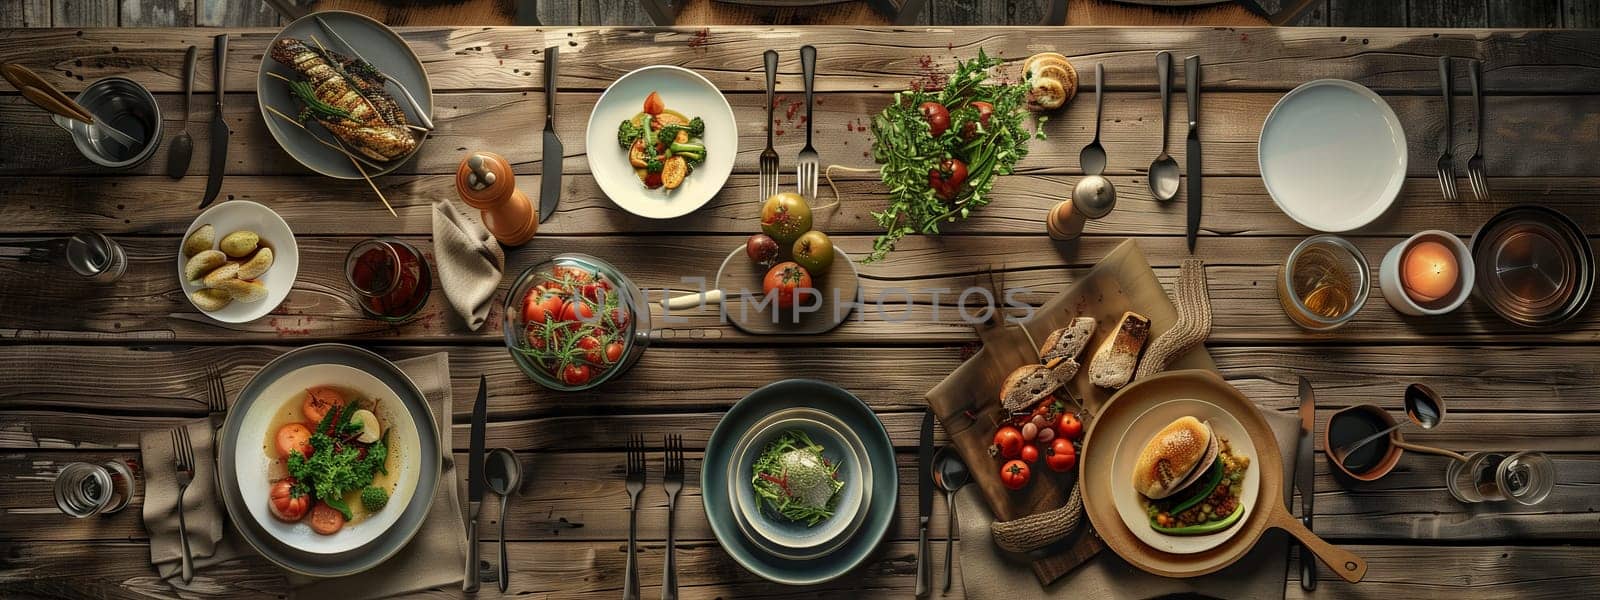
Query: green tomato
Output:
(785,216)
(814,251)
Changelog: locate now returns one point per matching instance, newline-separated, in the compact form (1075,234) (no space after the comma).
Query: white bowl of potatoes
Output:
(237,261)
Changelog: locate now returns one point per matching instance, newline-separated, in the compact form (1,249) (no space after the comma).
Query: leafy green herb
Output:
(789,475)
(317,107)
(904,144)
(336,466)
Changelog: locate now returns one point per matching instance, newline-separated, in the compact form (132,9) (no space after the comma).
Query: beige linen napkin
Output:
(470,263)
(433,559)
(987,573)
(203,511)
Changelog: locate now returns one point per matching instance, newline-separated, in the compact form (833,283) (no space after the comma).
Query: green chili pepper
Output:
(1217,470)
(1203,528)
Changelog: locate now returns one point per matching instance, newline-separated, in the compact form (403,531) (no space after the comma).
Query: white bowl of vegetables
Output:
(799,483)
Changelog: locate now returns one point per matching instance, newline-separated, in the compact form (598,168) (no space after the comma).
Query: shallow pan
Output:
(1099,479)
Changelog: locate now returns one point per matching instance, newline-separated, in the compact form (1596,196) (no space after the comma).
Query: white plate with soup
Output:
(298,399)
(684,94)
(1131,505)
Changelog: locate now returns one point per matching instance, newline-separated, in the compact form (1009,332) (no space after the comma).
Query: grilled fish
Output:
(347,97)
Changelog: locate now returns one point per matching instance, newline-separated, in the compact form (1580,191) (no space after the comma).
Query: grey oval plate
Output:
(379,45)
(380,548)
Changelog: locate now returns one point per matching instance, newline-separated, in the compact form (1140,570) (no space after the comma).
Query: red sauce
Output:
(397,290)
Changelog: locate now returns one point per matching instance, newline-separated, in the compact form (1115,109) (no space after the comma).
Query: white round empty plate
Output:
(1332,155)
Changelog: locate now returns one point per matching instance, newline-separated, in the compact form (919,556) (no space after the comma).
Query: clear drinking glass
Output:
(87,489)
(391,278)
(96,257)
(1522,477)
(1323,283)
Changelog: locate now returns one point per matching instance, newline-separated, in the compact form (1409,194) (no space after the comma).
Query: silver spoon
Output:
(182,147)
(949,473)
(504,475)
(1164,174)
(1423,407)
(1093,156)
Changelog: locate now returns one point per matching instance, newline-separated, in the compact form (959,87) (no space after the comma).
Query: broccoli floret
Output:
(374,498)
(697,127)
(687,148)
(627,133)
(653,164)
(669,134)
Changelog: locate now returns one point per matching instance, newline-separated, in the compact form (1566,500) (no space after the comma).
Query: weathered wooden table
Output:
(86,368)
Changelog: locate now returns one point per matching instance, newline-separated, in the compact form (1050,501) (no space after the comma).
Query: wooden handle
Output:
(53,105)
(1344,563)
(688,301)
(40,92)
(1427,449)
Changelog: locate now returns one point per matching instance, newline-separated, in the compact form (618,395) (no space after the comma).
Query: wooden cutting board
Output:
(967,402)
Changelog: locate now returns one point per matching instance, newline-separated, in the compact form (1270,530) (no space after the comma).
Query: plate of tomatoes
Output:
(574,322)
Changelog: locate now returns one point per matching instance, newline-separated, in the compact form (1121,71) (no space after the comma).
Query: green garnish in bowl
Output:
(793,479)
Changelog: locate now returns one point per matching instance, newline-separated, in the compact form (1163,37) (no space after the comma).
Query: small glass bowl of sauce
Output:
(391,278)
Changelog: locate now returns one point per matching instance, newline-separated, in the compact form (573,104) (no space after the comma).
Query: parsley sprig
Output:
(336,465)
(905,146)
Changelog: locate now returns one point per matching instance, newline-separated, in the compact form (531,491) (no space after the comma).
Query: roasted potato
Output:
(257,264)
(244,290)
(204,262)
(673,170)
(636,154)
(210,300)
(240,244)
(200,241)
(228,270)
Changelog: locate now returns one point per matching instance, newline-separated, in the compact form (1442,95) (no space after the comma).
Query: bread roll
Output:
(1067,342)
(210,300)
(1027,386)
(1118,356)
(204,262)
(200,241)
(257,264)
(1052,81)
(1170,457)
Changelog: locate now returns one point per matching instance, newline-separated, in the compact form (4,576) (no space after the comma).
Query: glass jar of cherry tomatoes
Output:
(575,322)
(390,277)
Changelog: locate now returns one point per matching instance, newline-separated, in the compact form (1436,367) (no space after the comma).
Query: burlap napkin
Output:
(470,263)
(433,559)
(987,573)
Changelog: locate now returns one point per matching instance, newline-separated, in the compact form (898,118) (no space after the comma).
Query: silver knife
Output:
(1305,479)
(219,127)
(480,417)
(550,179)
(925,506)
(1191,74)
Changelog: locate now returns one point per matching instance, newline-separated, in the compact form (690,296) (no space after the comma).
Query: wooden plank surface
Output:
(153,357)
(84,13)
(25,13)
(158,13)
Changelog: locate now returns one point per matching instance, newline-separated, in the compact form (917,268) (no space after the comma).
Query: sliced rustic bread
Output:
(1117,358)
(1067,342)
(1028,385)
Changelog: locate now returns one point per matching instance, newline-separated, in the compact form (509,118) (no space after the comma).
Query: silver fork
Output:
(635,484)
(183,460)
(1447,160)
(673,482)
(769,157)
(806,170)
(1475,170)
(216,392)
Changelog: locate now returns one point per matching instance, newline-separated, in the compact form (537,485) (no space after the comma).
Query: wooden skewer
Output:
(342,150)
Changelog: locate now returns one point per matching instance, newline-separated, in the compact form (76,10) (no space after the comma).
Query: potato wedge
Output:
(243,290)
(204,262)
(240,244)
(636,154)
(228,270)
(210,300)
(200,241)
(257,264)
(673,170)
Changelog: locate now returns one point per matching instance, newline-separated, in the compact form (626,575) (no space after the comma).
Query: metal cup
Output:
(121,103)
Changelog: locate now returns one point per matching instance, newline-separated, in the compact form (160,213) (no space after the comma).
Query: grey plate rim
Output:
(867,539)
(384,546)
(274,127)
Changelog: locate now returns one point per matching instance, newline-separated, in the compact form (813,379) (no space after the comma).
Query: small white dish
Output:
(234,215)
(1133,441)
(1395,294)
(683,91)
(1332,155)
(252,463)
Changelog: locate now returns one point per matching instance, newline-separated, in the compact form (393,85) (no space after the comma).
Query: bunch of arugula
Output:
(337,465)
(904,144)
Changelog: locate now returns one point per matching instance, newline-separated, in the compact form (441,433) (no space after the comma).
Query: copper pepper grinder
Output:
(485,182)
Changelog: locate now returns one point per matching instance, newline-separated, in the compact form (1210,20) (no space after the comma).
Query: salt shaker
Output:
(1093,197)
(485,182)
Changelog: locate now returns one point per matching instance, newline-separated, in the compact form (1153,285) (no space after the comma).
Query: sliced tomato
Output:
(319,400)
(653,104)
(326,520)
(293,438)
